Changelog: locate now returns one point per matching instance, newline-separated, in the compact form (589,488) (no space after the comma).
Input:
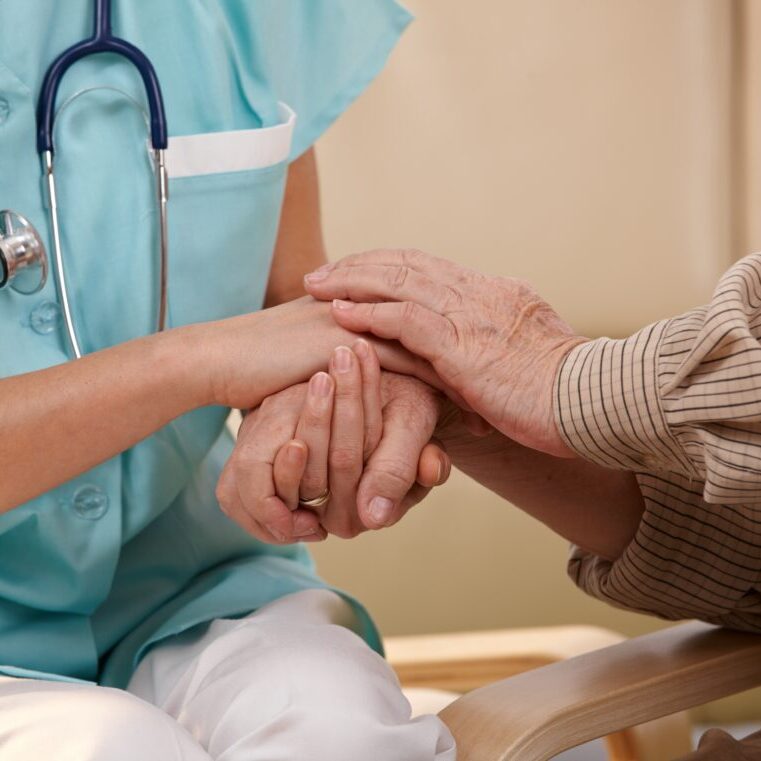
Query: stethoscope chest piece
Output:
(23,261)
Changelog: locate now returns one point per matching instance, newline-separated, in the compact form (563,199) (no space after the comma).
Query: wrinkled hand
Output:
(363,433)
(493,340)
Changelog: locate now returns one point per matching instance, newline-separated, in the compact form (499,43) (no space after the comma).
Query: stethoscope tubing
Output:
(103,41)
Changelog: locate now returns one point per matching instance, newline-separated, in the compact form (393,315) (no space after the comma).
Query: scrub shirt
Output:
(136,550)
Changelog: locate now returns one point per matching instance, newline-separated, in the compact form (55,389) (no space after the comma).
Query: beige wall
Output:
(582,144)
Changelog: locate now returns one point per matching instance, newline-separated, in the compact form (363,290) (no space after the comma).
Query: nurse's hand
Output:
(356,421)
(493,340)
(245,359)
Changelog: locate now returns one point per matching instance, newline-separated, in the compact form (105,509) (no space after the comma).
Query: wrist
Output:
(187,356)
(558,446)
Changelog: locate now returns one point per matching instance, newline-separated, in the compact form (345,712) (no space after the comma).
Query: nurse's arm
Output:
(62,421)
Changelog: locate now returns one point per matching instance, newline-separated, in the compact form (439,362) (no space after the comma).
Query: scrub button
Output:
(90,503)
(45,317)
(5,111)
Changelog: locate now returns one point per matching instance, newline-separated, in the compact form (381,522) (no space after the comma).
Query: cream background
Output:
(582,144)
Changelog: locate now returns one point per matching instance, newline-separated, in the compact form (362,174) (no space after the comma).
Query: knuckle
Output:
(453,298)
(410,311)
(395,474)
(242,463)
(411,256)
(345,459)
(453,334)
(373,311)
(398,276)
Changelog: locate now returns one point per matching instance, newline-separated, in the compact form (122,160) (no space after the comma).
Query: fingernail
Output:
(320,385)
(342,359)
(277,534)
(316,276)
(361,348)
(339,304)
(443,469)
(326,267)
(295,453)
(307,534)
(380,510)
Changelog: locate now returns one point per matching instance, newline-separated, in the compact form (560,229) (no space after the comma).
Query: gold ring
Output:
(317,501)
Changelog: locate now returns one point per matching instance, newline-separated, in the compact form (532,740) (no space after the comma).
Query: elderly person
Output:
(644,452)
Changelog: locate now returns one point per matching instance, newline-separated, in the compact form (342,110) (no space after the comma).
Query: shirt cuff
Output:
(607,405)
(687,559)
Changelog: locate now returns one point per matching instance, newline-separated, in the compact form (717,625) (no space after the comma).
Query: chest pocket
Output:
(225,196)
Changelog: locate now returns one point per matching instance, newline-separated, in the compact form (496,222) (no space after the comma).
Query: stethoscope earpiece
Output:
(23,260)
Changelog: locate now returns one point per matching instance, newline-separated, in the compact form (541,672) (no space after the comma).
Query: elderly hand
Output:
(363,434)
(491,339)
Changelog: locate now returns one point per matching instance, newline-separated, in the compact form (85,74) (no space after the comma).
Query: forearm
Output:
(594,507)
(62,421)
(75,415)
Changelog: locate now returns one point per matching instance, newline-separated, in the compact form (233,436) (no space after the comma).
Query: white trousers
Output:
(291,682)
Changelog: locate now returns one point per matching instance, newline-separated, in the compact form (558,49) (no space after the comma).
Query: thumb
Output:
(434,465)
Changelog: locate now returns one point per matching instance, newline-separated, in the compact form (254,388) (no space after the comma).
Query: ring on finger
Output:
(317,501)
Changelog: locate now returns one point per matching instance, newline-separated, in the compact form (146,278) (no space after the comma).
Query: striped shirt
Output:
(679,403)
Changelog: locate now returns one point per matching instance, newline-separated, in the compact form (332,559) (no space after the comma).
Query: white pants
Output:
(289,683)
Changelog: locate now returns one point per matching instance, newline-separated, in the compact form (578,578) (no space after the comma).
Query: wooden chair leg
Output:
(658,740)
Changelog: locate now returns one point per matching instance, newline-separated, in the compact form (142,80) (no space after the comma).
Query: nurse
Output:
(136,619)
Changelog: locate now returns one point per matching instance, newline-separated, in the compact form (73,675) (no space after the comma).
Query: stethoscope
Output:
(23,259)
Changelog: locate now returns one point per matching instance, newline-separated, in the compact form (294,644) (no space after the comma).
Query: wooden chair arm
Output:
(463,661)
(535,715)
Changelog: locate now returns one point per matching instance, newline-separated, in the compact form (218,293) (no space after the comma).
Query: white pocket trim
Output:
(236,151)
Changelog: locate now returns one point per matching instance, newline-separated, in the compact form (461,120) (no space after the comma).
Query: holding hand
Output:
(493,340)
(354,442)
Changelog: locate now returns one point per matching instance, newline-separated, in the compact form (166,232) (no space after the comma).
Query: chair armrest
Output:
(540,713)
(463,661)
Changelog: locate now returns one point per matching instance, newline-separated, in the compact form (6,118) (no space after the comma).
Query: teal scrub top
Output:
(95,572)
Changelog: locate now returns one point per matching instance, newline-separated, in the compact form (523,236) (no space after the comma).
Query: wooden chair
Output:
(553,689)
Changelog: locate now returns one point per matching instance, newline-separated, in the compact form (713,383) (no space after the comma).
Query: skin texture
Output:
(493,340)
(499,345)
(594,507)
(328,418)
(258,486)
(73,415)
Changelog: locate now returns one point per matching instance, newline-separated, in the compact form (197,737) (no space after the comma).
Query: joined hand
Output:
(360,432)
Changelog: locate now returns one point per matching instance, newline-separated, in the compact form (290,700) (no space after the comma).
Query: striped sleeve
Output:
(679,403)
(688,559)
(682,395)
